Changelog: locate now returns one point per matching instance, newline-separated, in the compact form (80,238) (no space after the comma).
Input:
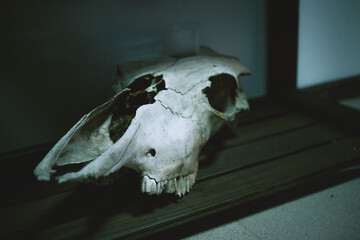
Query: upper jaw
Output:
(178,185)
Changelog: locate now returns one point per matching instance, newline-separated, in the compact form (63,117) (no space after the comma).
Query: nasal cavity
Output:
(151,152)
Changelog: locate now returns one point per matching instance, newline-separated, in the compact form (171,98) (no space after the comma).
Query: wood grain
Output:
(24,186)
(265,154)
(219,193)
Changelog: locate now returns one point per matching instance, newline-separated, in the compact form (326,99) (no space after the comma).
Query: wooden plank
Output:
(67,206)
(225,161)
(128,221)
(84,211)
(291,168)
(213,194)
(245,133)
(328,110)
(272,126)
(12,218)
(257,130)
(268,148)
(24,186)
(323,102)
(281,194)
(261,108)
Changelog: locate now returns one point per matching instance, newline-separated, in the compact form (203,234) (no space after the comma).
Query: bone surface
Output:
(163,113)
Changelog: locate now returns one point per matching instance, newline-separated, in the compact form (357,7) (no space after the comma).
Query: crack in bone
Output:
(180,111)
(173,112)
(190,89)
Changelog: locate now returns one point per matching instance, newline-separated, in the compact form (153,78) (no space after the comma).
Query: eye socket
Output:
(222,92)
(151,152)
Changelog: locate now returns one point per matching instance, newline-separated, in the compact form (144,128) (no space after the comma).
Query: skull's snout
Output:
(165,173)
(166,152)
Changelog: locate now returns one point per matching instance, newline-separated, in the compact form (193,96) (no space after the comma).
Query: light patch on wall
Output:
(329,37)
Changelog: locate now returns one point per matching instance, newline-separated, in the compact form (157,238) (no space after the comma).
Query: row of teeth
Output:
(179,185)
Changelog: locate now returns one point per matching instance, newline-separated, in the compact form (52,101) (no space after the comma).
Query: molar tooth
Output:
(143,185)
(153,187)
(146,183)
(150,185)
(169,188)
(188,179)
(183,186)
(175,183)
(158,188)
(163,185)
(180,182)
(192,178)
(187,185)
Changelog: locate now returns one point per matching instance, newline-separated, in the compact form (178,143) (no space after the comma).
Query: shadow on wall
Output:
(59,57)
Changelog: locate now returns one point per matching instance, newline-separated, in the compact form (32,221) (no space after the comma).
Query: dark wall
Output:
(58,58)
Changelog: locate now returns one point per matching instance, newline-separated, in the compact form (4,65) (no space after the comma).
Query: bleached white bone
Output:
(183,102)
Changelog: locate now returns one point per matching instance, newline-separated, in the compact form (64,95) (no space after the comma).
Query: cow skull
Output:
(163,114)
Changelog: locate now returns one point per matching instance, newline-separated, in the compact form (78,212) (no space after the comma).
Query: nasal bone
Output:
(124,149)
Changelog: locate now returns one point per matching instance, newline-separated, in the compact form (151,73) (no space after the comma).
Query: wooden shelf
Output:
(324,101)
(273,149)
(276,148)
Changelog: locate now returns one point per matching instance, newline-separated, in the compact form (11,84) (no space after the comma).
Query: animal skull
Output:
(163,114)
